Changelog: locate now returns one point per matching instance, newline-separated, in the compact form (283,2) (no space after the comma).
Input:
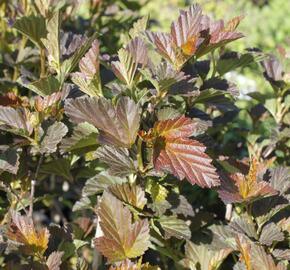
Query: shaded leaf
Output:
(122,239)
(130,194)
(53,137)
(270,233)
(59,167)
(245,226)
(174,226)
(118,160)
(84,135)
(280,180)
(33,27)
(100,182)
(118,125)
(16,120)
(9,161)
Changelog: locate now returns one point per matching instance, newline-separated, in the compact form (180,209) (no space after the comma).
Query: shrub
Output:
(122,161)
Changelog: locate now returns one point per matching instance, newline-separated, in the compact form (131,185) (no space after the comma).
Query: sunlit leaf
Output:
(117,125)
(83,203)
(238,187)
(122,239)
(118,160)
(183,157)
(200,257)
(130,194)
(52,41)
(43,103)
(54,260)
(244,225)
(23,231)
(175,227)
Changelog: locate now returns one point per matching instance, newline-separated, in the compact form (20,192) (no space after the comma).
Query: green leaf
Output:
(138,27)
(89,87)
(99,183)
(69,64)
(121,238)
(175,227)
(126,68)
(9,161)
(52,41)
(118,160)
(233,60)
(52,137)
(83,203)
(43,87)
(33,27)
(130,194)
(59,167)
(84,135)
(118,125)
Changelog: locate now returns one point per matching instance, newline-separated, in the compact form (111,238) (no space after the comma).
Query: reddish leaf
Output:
(183,157)
(43,103)
(54,260)
(22,230)
(89,64)
(121,238)
(118,125)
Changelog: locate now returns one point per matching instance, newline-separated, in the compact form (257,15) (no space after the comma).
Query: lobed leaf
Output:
(118,160)
(118,125)
(52,138)
(54,260)
(122,239)
(23,231)
(130,194)
(9,161)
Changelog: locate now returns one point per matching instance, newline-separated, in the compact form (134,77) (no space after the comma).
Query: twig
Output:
(229,211)
(33,183)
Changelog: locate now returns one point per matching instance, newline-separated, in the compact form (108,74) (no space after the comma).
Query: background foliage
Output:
(124,148)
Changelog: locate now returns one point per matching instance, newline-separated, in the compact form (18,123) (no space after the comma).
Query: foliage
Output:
(123,148)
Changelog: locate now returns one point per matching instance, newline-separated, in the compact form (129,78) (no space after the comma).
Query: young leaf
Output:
(33,27)
(238,187)
(43,103)
(118,160)
(183,157)
(52,41)
(22,230)
(118,125)
(53,137)
(122,239)
(54,260)
(130,194)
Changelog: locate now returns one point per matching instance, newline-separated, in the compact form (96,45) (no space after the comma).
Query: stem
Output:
(214,69)
(33,183)
(139,155)
(42,63)
(229,211)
